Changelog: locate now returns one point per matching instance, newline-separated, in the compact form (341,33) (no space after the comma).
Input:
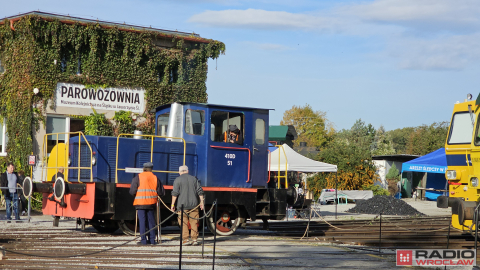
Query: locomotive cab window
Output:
(461,129)
(259,131)
(477,133)
(162,124)
(194,122)
(227,127)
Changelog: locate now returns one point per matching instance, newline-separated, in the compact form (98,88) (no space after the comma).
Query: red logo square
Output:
(404,257)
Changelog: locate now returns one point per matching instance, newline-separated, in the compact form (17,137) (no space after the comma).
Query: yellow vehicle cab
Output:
(462,148)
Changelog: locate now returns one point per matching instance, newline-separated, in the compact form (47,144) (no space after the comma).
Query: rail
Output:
(286,167)
(151,151)
(237,148)
(68,167)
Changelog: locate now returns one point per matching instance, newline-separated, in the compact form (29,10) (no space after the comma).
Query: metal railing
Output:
(151,152)
(279,176)
(67,167)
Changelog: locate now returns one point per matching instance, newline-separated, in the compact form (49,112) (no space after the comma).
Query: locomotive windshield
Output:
(162,124)
(461,129)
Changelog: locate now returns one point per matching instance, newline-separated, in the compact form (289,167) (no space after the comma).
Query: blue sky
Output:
(395,63)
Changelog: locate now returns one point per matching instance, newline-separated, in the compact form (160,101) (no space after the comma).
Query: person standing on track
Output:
(146,188)
(189,192)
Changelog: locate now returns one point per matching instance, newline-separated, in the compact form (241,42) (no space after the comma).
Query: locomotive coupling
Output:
(61,188)
(466,211)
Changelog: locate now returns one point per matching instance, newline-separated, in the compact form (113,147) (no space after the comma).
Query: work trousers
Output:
(146,220)
(12,200)
(193,224)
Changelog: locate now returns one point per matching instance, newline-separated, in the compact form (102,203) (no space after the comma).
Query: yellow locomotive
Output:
(462,149)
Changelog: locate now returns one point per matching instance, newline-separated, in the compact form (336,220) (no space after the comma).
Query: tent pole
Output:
(336,194)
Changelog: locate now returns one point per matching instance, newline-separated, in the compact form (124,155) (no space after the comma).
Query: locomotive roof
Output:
(212,105)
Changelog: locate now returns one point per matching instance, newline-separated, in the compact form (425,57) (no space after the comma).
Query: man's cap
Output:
(183,168)
(233,128)
(148,165)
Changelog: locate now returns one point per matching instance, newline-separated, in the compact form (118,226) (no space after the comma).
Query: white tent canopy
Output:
(297,162)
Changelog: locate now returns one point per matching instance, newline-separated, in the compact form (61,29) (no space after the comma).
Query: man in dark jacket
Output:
(190,194)
(8,182)
(146,188)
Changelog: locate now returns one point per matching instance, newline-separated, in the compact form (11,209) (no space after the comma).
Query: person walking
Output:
(189,192)
(8,182)
(59,174)
(146,188)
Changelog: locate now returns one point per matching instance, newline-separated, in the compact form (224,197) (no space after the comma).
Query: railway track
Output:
(250,248)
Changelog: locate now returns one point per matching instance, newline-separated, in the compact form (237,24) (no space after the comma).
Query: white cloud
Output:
(263,19)
(420,34)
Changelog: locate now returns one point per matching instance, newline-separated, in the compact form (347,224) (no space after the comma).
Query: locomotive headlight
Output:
(474,182)
(452,175)
(69,161)
(94,161)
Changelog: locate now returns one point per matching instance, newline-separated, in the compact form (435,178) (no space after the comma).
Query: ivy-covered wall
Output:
(38,52)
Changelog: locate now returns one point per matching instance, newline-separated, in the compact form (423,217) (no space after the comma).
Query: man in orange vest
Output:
(233,135)
(146,188)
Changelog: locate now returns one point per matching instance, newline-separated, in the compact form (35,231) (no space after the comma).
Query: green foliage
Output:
(37,201)
(97,124)
(393,173)
(41,53)
(377,190)
(382,143)
(419,140)
(350,151)
(426,139)
(400,139)
(123,123)
(312,126)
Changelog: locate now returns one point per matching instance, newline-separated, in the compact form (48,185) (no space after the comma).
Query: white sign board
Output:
(133,170)
(115,99)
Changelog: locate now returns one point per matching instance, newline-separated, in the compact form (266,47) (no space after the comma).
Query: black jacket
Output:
(4,183)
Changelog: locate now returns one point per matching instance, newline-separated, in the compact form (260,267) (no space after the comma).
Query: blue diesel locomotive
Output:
(99,169)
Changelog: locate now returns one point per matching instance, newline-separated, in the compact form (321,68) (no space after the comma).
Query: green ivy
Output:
(123,123)
(40,53)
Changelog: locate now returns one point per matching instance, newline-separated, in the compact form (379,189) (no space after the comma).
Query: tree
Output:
(350,150)
(382,143)
(425,139)
(399,138)
(312,126)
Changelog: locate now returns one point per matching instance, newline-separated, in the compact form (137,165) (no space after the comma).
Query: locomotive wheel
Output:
(228,220)
(106,226)
(128,227)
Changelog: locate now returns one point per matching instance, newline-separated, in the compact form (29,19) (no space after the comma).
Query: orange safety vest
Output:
(225,137)
(147,189)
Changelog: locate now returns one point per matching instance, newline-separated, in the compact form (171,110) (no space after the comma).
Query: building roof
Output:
(281,133)
(67,19)
(399,158)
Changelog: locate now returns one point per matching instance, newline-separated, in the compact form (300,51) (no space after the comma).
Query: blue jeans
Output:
(146,218)
(12,198)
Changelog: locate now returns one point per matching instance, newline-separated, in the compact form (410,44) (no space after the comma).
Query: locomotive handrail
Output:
(237,148)
(151,151)
(286,166)
(80,135)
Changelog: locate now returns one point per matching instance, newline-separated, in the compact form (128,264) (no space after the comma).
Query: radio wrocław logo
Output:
(436,257)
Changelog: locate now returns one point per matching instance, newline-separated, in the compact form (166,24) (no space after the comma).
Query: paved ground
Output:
(259,250)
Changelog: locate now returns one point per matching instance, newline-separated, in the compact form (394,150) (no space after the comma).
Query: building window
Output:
(2,68)
(162,124)
(173,74)
(3,138)
(56,125)
(220,123)
(194,122)
(259,131)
